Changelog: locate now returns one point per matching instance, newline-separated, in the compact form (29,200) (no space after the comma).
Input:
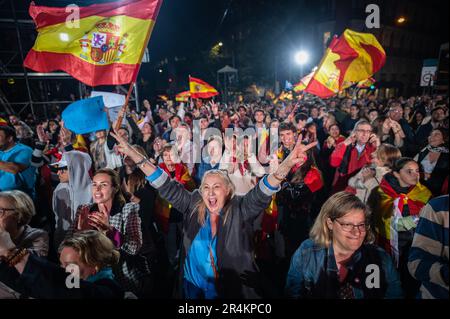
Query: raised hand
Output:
(42,136)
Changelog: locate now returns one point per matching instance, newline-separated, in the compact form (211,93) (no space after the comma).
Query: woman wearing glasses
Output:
(339,261)
(16,211)
(396,205)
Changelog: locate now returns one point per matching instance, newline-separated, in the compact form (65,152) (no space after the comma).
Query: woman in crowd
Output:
(118,220)
(433,160)
(102,156)
(370,176)
(169,217)
(146,138)
(333,263)
(298,197)
(241,164)
(217,226)
(389,131)
(396,205)
(16,211)
(87,256)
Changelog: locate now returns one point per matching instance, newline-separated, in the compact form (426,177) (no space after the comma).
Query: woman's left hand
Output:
(100,220)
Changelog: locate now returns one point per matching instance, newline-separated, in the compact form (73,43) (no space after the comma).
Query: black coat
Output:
(44,280)
(439,174)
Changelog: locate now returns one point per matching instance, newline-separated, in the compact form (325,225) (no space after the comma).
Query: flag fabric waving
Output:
(183,96)
(300,86)
(351,58)
(103,47)
(366,83)
(200,89)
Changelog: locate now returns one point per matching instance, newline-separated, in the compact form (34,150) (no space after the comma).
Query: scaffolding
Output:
(12,69)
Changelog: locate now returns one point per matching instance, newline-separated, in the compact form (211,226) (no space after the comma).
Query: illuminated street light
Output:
(301,57)
(220,44)
(160,70)
(401,20)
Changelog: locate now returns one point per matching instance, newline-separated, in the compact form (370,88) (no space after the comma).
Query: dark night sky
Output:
(189,28)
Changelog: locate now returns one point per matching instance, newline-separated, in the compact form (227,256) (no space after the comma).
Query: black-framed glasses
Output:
(350,227)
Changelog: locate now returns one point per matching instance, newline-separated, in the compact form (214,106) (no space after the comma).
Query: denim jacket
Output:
(313,273)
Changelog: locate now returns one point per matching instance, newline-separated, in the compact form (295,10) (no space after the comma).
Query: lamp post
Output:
(301,58)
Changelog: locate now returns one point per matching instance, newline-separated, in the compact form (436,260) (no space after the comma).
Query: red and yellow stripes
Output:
(349,59)
(200,89)
(104,49)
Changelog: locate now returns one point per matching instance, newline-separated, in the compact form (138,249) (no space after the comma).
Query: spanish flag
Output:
(200,89)
(103,47)
(3,122)
(349,59)
(366,83)
(300,86)
(183,96)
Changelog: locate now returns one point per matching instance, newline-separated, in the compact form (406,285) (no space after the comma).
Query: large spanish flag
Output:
(106,48)
(200,89)
(351,58)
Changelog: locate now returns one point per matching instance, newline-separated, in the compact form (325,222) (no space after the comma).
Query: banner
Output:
(86,116)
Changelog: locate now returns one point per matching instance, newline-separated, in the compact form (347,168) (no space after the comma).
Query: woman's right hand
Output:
(124,147)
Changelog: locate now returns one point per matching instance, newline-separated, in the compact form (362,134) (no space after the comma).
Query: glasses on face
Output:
(350,227)
(5,211)
(364,131)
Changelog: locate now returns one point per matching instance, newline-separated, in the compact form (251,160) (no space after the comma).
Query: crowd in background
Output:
(373,190)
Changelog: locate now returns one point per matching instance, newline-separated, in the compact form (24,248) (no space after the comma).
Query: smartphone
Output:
(84,218)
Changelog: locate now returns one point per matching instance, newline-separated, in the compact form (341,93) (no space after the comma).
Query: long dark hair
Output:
(115,183)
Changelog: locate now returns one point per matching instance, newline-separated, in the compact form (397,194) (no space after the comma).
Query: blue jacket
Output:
(313,273)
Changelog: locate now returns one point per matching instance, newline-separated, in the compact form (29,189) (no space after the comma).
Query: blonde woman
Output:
(217,254)
(87,257)
(334,262)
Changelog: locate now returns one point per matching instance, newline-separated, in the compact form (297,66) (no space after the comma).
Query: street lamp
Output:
(401,20)
(301,57)
(220,44)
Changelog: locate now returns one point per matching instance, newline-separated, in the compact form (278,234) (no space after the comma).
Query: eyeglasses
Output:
(4,211)
(364,131)
(350,227)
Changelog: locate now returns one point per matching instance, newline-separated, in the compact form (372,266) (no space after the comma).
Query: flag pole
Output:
(133,81)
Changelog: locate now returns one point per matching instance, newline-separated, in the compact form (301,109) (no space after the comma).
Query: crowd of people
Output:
(345,198)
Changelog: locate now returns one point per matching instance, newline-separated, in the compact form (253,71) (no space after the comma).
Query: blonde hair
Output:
(200,207)
(23,205)
(94,248)
(335,207)
(388,154)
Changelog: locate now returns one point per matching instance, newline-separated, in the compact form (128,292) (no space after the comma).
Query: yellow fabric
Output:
(359,69)
(123,34)
(386,207)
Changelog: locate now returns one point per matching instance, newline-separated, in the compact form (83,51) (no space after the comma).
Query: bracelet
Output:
(275,175)
(17,257)
(142,161)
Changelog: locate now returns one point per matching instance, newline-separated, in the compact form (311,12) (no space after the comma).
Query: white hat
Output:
(60,164)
